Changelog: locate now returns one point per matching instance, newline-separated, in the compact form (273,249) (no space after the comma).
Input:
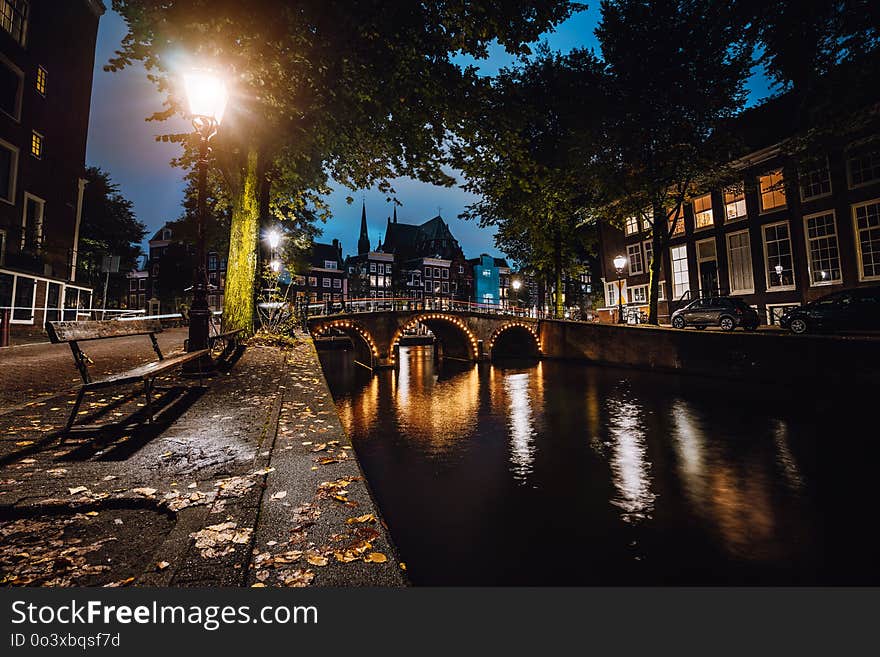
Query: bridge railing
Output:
(371,305)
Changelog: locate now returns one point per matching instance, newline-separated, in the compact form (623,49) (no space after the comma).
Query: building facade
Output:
(326,280)
(783,234)
(47,55)
(491,281)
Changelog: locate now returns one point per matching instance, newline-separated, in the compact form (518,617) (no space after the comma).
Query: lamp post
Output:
(619,264)
(516,284)
(207,101)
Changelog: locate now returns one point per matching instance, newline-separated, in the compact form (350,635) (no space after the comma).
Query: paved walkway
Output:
(250,481)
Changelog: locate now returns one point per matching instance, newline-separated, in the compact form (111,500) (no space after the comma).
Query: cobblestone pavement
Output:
(30,371)
(247,481)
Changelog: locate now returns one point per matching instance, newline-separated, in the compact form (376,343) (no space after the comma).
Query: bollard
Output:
(4,328)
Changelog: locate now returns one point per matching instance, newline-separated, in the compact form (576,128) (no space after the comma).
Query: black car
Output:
(726,312)
(849,310)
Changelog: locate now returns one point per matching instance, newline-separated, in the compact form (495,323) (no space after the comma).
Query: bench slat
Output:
(146,371)
(95,330)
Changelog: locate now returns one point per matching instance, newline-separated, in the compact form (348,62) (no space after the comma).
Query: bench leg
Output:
(148,386)
(75,409)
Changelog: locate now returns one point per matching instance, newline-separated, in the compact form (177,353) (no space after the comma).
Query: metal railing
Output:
(371,305)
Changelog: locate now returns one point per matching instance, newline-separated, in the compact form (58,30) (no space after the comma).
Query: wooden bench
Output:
(75,332)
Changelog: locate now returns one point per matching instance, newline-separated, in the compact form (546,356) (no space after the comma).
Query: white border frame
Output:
(13,175)
(849,182)
(858,242)
(727,237)
(24,204)
(834,281)
(637,245)
(702,260)
(742,185)
(778,208)
(781,288)
(19,100)
(711,209)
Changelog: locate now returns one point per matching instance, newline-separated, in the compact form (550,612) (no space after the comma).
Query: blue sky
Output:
(123,143)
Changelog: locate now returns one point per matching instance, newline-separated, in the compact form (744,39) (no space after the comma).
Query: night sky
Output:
(122,143)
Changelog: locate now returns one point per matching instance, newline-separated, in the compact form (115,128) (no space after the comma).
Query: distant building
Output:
(779,235)
(326,280)
(491,281)
(47,55)
(370,272)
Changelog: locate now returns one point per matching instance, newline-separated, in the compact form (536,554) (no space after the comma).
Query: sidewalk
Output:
(250,481)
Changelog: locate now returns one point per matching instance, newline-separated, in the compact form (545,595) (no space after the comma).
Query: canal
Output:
(562,473)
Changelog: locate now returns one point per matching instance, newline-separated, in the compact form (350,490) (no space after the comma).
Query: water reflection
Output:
(521,424)
(629,463)
(647,478)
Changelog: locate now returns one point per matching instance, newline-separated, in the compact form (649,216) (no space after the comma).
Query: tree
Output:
(360,92)
(109,227)
(676,71)
(525,153)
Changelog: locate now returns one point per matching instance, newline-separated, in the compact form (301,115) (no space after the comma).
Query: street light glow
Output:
(516,284)
(275,265)
(274,238)
(619,262)
(206,94)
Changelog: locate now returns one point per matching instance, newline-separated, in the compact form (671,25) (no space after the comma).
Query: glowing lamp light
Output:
(275,265)
(206,94)
(274,238)
(516,284)
(778,269)
(619,262)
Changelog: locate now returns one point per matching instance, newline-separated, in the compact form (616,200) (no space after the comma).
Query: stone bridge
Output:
(459,335)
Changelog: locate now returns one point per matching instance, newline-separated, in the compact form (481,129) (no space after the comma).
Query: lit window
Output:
(703,211)
(772,191)
(676,221)
(632,225)
(41,80)
(822,253)
(36,144)
(638,294)
(815,183)
(329,264)
(649,253)
(867,223)
(863,169)
(14,17)
(680,277)
(634,253)
(735,202)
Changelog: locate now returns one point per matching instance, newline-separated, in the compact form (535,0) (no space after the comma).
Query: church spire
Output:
(364,240)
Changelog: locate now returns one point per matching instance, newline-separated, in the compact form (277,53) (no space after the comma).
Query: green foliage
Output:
(361,92)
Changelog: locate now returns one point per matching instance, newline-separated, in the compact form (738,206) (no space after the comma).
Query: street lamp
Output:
(619,264)
(207,98)
(274,239)
(516,284)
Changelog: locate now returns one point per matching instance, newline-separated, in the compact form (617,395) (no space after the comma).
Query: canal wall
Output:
(763,355)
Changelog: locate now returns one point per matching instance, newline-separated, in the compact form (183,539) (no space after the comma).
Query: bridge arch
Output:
(365,349)
(520,337)
(456,339)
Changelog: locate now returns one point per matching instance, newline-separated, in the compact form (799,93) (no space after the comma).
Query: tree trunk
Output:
(238,302)
(557,263)
(658,244)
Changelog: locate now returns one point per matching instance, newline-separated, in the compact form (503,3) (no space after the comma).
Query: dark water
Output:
(565,473)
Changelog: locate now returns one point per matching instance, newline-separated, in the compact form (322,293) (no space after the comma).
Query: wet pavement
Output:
(249,480)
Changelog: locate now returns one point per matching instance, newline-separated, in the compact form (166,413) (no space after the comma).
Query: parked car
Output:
(726,312)
(849,310)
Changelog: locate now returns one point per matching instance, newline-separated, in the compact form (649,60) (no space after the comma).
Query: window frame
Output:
(858,241)
(19,94)
(631,225)
(737,189)
(13,172)
(638,248)
(775,208)
(767,273)
(748,236)
(24,207)
(806,199)
(710,211)
(687,272)
(808,252)
(872,181)
(42,75)
(38,137)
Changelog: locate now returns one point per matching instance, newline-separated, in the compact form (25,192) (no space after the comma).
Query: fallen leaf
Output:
(367,517)
(145,491)
(279,495)
(162,565)
(402,565)
(78,489)
(317,560)
(376,557)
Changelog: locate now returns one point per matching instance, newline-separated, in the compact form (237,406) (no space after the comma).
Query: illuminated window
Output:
(41,80)
(735,202)
(815,183)
(14,17)
(638,294)
(680,278)
(703,211)
(772,191)
(36,144)
(632,225)
(676,218)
